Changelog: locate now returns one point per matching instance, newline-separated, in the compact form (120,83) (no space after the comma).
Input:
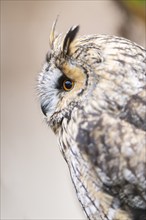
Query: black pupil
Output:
(68,84)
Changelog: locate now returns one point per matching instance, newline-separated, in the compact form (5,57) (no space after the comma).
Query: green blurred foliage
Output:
(136,7)
(139,3)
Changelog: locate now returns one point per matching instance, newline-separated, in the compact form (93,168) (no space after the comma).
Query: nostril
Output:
(43,108)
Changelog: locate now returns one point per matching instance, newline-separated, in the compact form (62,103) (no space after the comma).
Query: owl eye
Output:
(68,85)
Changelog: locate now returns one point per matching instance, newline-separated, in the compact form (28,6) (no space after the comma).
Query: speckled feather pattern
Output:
(101,123)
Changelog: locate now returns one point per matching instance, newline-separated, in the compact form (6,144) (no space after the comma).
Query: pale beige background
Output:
(35,181)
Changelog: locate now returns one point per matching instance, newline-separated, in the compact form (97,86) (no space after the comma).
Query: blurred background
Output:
(35,181)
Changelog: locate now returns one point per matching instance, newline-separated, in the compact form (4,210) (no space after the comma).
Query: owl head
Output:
(65,78)
(94,69)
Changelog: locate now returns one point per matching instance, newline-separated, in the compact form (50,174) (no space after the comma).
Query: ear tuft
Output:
(52,33)
(70,36)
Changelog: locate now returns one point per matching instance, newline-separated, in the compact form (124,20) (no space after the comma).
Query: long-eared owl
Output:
(92,93)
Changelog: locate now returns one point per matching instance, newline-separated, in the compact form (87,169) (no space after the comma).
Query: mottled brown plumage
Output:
(92,92)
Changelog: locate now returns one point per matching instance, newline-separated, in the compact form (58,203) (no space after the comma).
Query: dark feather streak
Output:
(69,38)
